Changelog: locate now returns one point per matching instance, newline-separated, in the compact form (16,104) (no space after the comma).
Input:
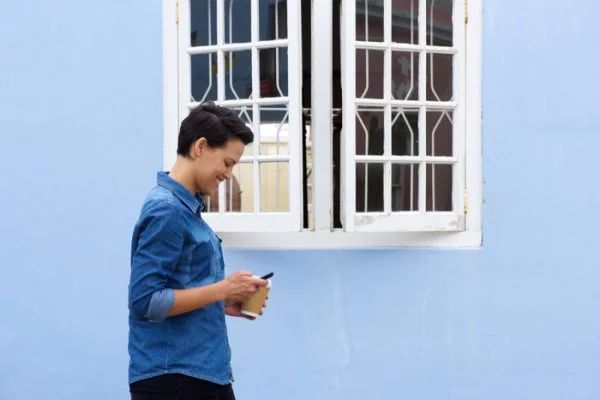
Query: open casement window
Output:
(380,146)
(403,137)
(245,54)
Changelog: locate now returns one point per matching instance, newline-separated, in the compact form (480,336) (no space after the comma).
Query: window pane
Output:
(405,75)
(240,189)
(204,77)
(439,133)
(237,21)
(238,76)
(405,132)
(203,22)
(439,187)
(273,19)
(405,21)
(439,76)
(273,72)
(274,130)
(439,22)
(274,186)
(369,187)
(369,132)
(245,114)
(212,203)
(369,74)
(405,187)
(369,20)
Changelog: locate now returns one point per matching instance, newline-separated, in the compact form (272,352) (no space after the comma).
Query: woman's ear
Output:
(198,147)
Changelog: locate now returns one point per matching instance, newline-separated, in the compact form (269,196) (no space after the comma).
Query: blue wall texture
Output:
(80,141)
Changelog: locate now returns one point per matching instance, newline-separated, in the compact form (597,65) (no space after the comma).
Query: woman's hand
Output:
(239,286)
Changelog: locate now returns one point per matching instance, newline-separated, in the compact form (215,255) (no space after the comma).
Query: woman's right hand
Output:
(241,285)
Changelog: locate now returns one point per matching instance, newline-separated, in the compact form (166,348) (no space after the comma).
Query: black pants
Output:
(179,387)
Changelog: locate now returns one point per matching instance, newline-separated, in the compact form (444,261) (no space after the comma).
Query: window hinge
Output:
(466,12)
(177,12)
(466,202)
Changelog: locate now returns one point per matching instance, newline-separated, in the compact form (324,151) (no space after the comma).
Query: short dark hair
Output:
(214,123)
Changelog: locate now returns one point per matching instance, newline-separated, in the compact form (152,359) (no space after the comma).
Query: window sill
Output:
(350,240)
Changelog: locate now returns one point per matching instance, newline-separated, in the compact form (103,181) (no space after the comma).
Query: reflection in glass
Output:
(274,130)
(369,132)
(439,76)
(405,75)
(439,22)
(203,22)
(405,187)
(237,21)
(274,186)
(204,77)
(245,114)
(238,77)
(273,72)
(272,15)
(369,187)
(405,132)
(369,74)
(405,21)
(439,133)
(439,187)
(369,20)
(240,190)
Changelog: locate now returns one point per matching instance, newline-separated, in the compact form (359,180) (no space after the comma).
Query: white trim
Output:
(473,67)
(349,240)
(170,92)
(321,124)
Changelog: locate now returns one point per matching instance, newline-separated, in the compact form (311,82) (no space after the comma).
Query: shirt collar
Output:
(192,202)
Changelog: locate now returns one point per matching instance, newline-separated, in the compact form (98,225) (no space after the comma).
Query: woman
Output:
(178,293)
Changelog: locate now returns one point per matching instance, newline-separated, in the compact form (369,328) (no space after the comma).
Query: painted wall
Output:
(80,141)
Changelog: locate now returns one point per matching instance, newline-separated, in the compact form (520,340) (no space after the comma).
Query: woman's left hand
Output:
(234,309)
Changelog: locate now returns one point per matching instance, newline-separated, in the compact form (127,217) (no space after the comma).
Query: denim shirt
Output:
(173,248)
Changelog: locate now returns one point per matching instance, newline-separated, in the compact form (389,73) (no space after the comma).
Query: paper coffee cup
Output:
(254,304)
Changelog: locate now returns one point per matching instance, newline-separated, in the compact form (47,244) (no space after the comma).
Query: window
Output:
(367,130)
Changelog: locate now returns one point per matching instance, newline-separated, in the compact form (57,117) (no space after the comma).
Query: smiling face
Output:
(214,164)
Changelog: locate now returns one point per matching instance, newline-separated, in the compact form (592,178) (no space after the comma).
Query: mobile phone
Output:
(267,276)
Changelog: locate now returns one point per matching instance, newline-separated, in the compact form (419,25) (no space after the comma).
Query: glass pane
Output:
(405,75)
(240,189)
(405,187)
(369,20)
(439,133)
(212,203)
(238,76)
(405,132)
(203,22)
(369,132)
(273,72)
(439,22)
(273,19)
(274,130)
(369,187)
(405,21)
(439,75)
(439,187)
(204,77)
(274,186)
(237,21)
(245,114)
(369,74)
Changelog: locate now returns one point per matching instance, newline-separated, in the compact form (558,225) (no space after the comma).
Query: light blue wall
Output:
(80,140)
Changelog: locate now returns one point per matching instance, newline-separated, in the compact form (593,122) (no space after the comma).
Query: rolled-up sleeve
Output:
(156,249)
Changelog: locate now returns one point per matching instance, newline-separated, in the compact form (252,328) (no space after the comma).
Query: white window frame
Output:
(223,221)
(466,232)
